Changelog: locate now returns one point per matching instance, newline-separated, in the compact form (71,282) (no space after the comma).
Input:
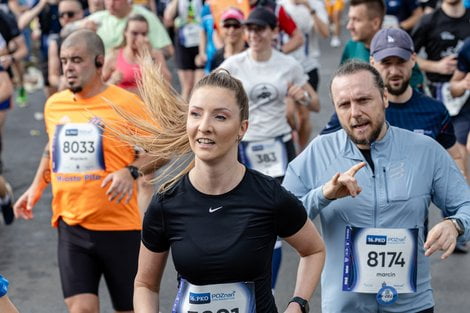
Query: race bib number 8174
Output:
(374,257)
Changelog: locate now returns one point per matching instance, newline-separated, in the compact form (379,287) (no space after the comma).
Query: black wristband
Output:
(134,171)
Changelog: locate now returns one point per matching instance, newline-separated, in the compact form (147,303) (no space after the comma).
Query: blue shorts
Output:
(5,105)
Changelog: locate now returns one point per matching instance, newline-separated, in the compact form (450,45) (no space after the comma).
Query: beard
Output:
(75,89)
(377,128)
(400,90)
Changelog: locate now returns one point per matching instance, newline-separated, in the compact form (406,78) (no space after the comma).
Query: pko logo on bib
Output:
(71,132)
(199,298)
(376,240)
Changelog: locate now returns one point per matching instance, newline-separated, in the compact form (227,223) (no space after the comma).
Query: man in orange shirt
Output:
(93,174)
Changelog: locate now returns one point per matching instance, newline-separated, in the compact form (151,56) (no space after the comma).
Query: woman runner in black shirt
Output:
(219,218)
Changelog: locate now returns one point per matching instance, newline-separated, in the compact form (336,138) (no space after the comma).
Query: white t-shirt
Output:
(309,53)
(266,85)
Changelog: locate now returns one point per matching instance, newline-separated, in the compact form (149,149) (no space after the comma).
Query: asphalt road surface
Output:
(28,248)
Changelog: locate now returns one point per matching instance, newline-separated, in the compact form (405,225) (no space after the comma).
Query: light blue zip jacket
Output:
(411,170)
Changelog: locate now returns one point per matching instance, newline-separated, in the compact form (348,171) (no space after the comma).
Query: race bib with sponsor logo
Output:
(189,35)
(217,298)
(268,156)
(77,148)
(375,258)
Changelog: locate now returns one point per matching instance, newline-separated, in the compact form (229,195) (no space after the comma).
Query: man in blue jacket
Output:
(371,184)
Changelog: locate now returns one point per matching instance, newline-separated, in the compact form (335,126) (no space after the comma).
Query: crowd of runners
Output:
(224,170)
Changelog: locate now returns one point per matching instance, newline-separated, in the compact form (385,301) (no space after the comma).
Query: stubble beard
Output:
(371,138)
(398,91)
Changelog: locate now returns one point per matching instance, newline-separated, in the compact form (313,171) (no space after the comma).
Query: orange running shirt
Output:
(83,152)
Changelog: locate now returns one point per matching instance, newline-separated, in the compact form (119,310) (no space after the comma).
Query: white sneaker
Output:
(335,42)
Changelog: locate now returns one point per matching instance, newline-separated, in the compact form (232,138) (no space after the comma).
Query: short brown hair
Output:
(375,8)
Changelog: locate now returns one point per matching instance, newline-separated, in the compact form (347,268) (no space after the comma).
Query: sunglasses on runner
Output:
(234,25)
(69,14)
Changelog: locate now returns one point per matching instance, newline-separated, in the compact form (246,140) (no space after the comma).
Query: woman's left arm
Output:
(309,245)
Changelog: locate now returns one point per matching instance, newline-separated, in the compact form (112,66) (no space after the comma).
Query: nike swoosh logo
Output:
(211,210)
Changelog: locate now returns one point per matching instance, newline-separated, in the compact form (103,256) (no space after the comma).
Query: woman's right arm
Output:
(148,279)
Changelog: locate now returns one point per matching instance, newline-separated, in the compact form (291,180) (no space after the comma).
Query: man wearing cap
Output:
(232,27)
(371,184)
(365,20)
(393,56)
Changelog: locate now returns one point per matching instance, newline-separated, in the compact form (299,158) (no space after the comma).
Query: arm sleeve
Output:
(450,191)
(291,213)
(153,229)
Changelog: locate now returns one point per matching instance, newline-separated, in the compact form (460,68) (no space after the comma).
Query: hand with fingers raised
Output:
(343,184)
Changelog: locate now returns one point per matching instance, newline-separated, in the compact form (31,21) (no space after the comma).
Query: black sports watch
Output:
(304,306)
(134,171)
(458,224)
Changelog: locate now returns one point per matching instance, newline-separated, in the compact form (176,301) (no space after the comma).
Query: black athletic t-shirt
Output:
(8,26)
(441,36)
(224,238)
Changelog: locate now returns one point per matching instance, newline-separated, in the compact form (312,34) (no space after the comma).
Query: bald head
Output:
(83,37)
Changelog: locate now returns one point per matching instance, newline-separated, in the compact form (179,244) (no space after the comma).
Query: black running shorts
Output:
(85,255)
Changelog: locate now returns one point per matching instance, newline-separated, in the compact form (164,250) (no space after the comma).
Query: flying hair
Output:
(163,133)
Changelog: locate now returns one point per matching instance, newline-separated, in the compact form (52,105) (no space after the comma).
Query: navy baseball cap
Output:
(391,42)
(262,17)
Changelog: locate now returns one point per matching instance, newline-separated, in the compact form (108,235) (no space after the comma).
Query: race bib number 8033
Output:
(77,148)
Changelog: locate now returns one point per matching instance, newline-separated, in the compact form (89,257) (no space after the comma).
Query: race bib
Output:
(77,148)
(189,35)
(218,298)
(268,156)
(378,258)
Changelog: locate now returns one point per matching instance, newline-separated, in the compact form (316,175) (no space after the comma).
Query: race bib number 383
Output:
(77,148)
(374,257)
(268,157)
(218,298)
